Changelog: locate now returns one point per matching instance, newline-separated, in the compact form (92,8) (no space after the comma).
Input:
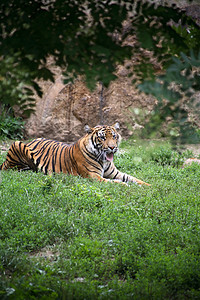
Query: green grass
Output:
(64,237)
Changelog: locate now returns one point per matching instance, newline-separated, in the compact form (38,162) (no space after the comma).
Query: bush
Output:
(165,156)
(11,127)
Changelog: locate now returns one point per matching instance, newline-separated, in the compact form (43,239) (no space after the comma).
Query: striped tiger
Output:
(91,156)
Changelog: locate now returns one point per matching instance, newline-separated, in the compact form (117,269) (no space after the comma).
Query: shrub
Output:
(10,126)
(164,156)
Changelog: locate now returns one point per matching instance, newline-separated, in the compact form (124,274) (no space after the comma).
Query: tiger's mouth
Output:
(109,156)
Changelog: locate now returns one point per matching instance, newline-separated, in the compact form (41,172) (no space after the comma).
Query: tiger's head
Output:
(103,141)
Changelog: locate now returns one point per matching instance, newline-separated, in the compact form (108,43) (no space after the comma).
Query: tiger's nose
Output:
(111,147)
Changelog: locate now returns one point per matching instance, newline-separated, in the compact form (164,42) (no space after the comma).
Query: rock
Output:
(189,161)
(65,109)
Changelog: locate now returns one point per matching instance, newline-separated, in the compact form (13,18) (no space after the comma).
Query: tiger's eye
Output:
(102,137)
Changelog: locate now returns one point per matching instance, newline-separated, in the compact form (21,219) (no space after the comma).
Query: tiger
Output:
(90,157)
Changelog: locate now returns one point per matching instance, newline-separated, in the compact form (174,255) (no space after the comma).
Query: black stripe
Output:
(92,157)
(116,175)
(38,142)
(46,166)
(91,171)
(47,152)
(22,152)
(18,163)
(53,156)
(73,160)
(111,172)
(92,140)
(62,148)
(43,151)
(107,167)
(56,154)
(11,159)
(93,165)
(66,161)
(53,164)
(14,150)
(88,153)
(43,147)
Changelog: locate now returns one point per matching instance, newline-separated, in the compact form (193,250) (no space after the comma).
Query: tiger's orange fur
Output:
(91,156)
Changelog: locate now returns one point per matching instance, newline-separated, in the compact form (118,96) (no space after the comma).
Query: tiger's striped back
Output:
(56,157)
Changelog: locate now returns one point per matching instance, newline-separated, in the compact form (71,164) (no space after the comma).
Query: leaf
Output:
(144,37)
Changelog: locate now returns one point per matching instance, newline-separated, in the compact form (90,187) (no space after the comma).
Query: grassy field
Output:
(64,237)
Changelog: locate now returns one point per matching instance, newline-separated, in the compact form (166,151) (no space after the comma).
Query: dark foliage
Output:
(178,87)
(84,37)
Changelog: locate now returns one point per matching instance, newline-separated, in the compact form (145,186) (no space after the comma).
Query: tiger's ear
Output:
(116,126)
(88,129)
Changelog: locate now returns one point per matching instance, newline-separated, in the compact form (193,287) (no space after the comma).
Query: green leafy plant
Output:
(177,87)
(11,127)
(166,156)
